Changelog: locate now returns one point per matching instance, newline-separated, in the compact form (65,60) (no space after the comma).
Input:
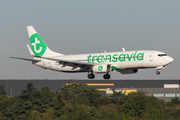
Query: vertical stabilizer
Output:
(30,51)
(38,46)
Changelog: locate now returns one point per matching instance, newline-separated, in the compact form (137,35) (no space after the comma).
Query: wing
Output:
(73,64)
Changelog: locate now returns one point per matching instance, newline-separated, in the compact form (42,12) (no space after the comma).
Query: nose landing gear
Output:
(157,72)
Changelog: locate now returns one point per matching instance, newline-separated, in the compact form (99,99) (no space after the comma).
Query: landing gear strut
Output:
(106,76)
(157,72)
(91,76)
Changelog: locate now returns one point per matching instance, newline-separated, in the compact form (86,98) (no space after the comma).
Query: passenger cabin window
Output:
(162,55)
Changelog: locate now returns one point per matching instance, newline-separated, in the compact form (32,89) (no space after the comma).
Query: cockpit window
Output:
(162,55)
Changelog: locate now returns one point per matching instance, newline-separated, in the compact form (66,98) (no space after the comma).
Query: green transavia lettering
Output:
(114,58)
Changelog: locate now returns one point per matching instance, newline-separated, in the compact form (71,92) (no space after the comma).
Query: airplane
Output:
(125,62)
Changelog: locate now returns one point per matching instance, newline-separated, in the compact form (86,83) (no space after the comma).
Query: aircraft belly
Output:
(131,64)
(56,67)
(68,68)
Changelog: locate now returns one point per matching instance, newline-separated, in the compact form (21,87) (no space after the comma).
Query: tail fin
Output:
(39,48)
(30,51)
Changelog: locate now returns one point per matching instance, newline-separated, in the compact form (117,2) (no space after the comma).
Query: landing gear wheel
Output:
(157,72)
(91,76)
(106,76)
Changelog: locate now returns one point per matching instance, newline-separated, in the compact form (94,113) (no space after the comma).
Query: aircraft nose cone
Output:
(170,59)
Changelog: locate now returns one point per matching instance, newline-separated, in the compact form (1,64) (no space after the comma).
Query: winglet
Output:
(30,51)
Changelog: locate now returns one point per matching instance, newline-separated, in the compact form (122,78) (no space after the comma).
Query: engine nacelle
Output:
(101,68)
(128,71)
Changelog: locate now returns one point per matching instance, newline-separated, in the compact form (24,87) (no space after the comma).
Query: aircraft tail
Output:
(38,46)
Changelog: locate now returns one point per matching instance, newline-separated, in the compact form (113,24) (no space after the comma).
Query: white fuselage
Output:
(121,60)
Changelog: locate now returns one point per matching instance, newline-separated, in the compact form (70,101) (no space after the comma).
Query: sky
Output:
(81,26)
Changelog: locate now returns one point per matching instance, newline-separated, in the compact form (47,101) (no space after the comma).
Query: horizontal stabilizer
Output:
(26,59)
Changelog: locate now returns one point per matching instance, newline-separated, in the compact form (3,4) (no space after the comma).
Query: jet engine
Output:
(101,68)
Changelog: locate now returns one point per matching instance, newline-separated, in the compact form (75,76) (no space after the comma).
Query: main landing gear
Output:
(106,76)
(92,76)
(157,72)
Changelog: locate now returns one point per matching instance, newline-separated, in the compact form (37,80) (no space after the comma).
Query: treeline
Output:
(82,102)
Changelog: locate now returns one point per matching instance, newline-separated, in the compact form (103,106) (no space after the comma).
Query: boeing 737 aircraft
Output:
(125,62)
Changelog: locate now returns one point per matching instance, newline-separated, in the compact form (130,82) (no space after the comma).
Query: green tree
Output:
(141,106)
(49,115)
(27,101)
(79,101)
(71,93)
(103,100)
(116,95)
(47,96)
(7,102)
(175,101)
(2,91)
(82,100)
(83,112)
(107,112)
(58,106)
(27,93)
(35,115)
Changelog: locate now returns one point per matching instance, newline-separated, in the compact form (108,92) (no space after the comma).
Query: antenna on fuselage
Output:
(104,51)
(123,49)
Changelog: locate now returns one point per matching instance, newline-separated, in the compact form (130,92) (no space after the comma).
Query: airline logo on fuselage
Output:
(116,57)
